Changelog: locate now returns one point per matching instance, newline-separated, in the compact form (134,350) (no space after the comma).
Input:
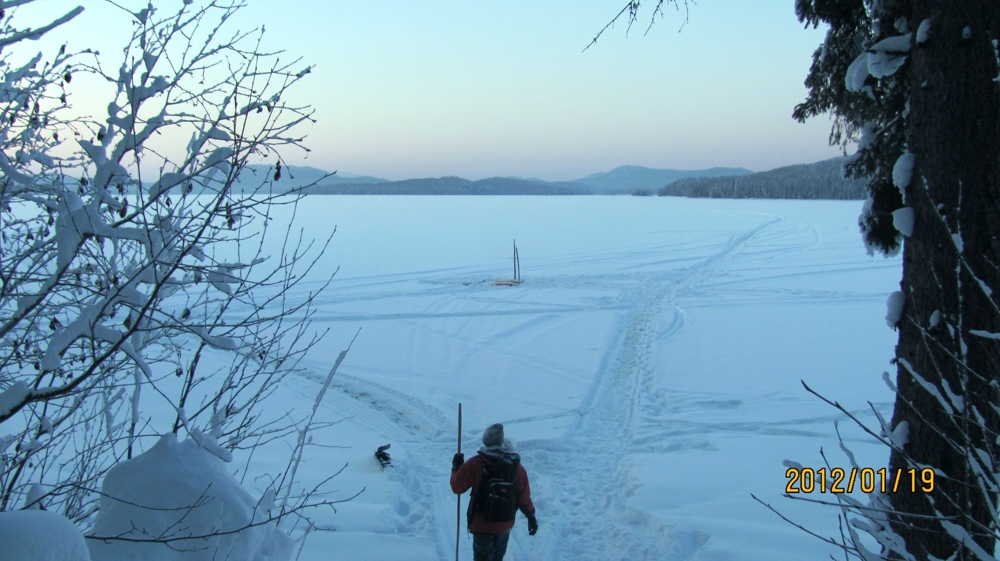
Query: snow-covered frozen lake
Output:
(648,369)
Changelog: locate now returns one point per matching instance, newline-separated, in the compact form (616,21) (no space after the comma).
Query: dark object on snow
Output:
(382,456)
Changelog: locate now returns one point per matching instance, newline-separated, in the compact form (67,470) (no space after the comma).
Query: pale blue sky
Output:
(478,89)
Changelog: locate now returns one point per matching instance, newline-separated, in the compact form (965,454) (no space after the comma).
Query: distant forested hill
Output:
(454,186)
(621,180)
(629,179)
(296,177)
(821,180)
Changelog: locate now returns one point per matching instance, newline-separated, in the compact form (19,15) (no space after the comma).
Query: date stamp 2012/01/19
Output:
(868,480)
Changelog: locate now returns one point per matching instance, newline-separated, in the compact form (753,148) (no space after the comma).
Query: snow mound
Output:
(40,535)
(902,219)
(924,31)
(180,490)
(900,435)
(857,73)
(959,244)
(935,319)
(894,309)
(13,396)
(882,59)
(868,135)
(887,55)
(902,171)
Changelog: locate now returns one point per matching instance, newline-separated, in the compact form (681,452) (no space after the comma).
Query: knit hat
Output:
(493,435)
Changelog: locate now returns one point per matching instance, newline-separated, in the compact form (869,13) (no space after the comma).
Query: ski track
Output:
(580,481)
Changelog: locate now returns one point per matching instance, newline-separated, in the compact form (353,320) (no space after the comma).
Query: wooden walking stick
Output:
(458,507)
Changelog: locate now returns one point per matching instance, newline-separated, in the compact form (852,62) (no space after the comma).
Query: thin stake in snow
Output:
(517,271)
(517,264)
(458,507)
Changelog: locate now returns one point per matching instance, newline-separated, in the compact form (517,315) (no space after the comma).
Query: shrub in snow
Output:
(40,535)
(179,490)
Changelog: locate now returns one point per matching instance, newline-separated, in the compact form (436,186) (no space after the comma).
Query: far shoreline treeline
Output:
(820,180)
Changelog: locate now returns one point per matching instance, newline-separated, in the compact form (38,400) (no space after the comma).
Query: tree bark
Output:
(950,266)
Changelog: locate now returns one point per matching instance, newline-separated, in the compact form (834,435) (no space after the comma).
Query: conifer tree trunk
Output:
(941,104)
(950,277)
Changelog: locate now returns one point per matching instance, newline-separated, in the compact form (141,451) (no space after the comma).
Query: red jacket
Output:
(468,477)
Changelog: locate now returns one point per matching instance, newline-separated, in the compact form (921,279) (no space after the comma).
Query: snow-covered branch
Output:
(133,270)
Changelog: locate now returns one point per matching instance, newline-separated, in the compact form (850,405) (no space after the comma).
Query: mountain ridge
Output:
(628,179)
(620,180)
(451,185)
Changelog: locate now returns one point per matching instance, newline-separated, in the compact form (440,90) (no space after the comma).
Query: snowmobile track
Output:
(587,476)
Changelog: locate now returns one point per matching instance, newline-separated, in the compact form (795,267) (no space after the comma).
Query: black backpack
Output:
(496,498)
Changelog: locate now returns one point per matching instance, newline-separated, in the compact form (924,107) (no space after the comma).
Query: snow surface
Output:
(648,370)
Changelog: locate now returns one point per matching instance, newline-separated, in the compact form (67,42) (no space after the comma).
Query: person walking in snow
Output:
(500,487)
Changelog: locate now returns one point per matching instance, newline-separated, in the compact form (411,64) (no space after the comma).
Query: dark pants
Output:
(489,547)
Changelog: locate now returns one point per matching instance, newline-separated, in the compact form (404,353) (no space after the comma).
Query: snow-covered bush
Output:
(179,502)
(136,296)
